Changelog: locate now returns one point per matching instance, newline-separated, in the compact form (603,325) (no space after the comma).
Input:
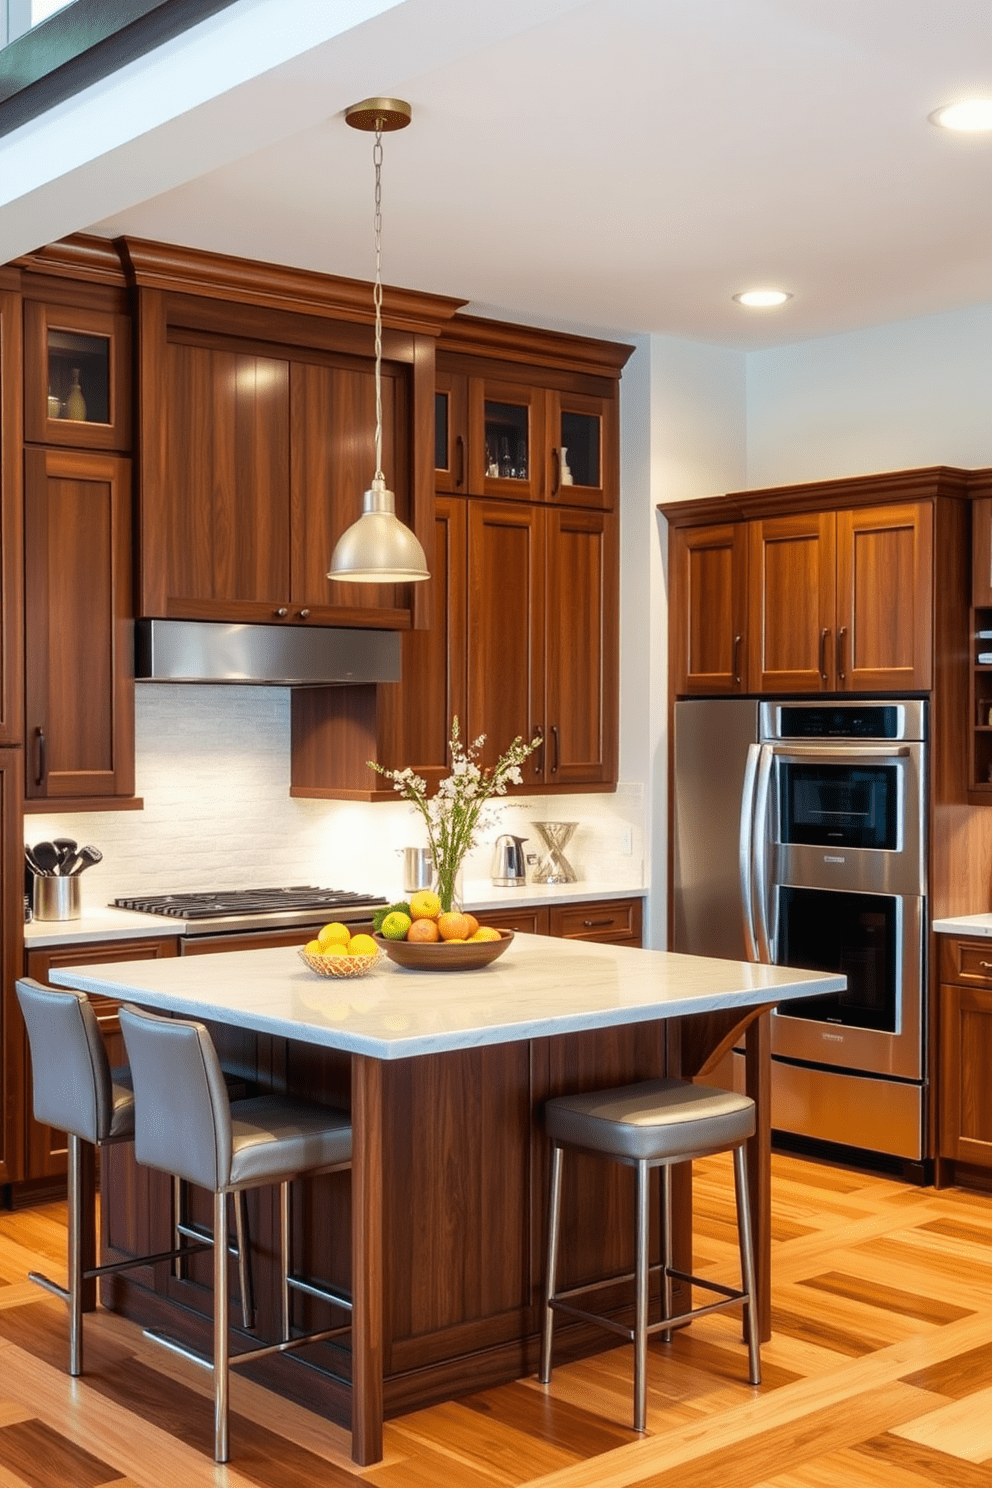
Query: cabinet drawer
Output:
(968,961)
(616,919)
(527,921)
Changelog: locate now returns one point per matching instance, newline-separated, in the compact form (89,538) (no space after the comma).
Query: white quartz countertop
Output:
(108,923)
(976,924)
(539,987)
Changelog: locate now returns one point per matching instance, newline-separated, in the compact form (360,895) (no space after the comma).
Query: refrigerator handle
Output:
(745,852)
(760,837)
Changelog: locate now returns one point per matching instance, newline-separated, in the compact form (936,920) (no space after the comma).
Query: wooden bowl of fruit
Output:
(335,952)
(421,937)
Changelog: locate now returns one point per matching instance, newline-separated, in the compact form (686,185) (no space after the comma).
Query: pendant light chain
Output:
(377,301)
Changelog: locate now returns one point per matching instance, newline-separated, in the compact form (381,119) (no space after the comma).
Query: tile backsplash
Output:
(212,765)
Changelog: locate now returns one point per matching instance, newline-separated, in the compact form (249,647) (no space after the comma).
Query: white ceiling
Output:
(624,165)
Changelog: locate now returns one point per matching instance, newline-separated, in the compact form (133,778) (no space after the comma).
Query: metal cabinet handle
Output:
(823,653)
(41,757)
(737,658)
(460,462)
(554,740)
(596,924)
(986,965)
(556,467)
(304,614)
(840,652)
(282,612)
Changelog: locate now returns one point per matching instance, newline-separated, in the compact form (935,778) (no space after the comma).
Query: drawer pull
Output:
(597,924)
(986,965)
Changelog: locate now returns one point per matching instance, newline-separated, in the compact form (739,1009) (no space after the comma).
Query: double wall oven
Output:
(800,840)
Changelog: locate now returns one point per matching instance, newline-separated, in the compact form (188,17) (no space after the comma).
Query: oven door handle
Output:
(745,850)
(840,754)
(760,839)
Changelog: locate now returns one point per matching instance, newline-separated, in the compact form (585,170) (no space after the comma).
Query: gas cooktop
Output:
(226,909)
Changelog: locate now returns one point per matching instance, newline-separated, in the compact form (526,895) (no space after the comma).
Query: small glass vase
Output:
(448,886)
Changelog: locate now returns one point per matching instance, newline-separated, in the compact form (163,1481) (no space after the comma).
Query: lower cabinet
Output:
(11,952)
(45,1148)
(616,920)
(965,1100)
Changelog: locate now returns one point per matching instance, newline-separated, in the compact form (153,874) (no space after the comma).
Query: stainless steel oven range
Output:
(800,840)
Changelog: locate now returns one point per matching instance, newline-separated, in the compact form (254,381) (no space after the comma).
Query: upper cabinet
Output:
(77,376)
(257,412)
(520,432)
(806,601)
(11,518)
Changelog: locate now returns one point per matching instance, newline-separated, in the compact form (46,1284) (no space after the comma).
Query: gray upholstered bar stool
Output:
(185,1123)
(654,1124)
(76,1091)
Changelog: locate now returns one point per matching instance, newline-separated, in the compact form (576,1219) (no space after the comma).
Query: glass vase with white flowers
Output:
(455,814)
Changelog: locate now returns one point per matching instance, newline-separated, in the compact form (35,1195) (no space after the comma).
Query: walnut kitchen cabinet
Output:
(45,1148)
(616,920)
(77,372)
(518,592)
(11,522)
(79,665)
(965,1100)
(708,609)
(837,601)
(11,953)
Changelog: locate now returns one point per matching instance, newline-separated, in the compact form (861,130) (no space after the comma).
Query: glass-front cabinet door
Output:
(506,444)
(581,439)
(76,377)
(450,434)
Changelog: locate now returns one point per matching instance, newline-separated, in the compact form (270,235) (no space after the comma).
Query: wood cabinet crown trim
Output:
(474,336)
(246,281)
(80,256)
(865,490)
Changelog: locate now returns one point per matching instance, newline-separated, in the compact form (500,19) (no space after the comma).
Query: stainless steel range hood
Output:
(272,655)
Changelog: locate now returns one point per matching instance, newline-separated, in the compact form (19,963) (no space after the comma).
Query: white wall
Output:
(891,398)
(697,448)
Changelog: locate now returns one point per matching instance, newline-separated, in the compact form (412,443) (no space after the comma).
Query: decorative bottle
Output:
(75,403)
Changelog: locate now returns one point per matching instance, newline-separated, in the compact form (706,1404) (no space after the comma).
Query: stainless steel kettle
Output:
(509,869)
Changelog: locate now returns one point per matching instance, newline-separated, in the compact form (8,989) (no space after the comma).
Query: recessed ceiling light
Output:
(971,115)
(762,299)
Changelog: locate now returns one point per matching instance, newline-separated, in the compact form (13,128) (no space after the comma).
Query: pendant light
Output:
(378,548)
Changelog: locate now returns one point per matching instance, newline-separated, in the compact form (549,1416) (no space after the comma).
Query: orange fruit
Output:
(473,925)
(425,905)
(423,932)
(486,932)
(453,925)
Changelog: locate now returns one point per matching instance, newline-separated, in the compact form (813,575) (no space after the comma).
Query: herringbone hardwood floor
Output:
(879,1374)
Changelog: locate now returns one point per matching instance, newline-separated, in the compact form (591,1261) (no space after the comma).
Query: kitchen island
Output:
(445,1074)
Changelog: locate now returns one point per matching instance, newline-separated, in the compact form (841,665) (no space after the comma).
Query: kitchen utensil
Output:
(32,861)
(418,869)
(87,857)
(47,857)
(554,867)
(57,898)
(509,868)
(441,955)
(68,851)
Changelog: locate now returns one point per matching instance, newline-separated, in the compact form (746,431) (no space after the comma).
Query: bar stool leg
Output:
(244,1259)
(747,1265)
(641,1301)
(285,1254)
(665,1181)
(220,1328)
(75,1256)
(550,1273)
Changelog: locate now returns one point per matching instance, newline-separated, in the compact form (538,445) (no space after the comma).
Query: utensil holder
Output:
(57,898)
(418,869)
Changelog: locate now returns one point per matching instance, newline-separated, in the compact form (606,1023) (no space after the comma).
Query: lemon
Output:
(312,948)
(425,905)
(362,945)
(486,932)
(395,926)
(332,935)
